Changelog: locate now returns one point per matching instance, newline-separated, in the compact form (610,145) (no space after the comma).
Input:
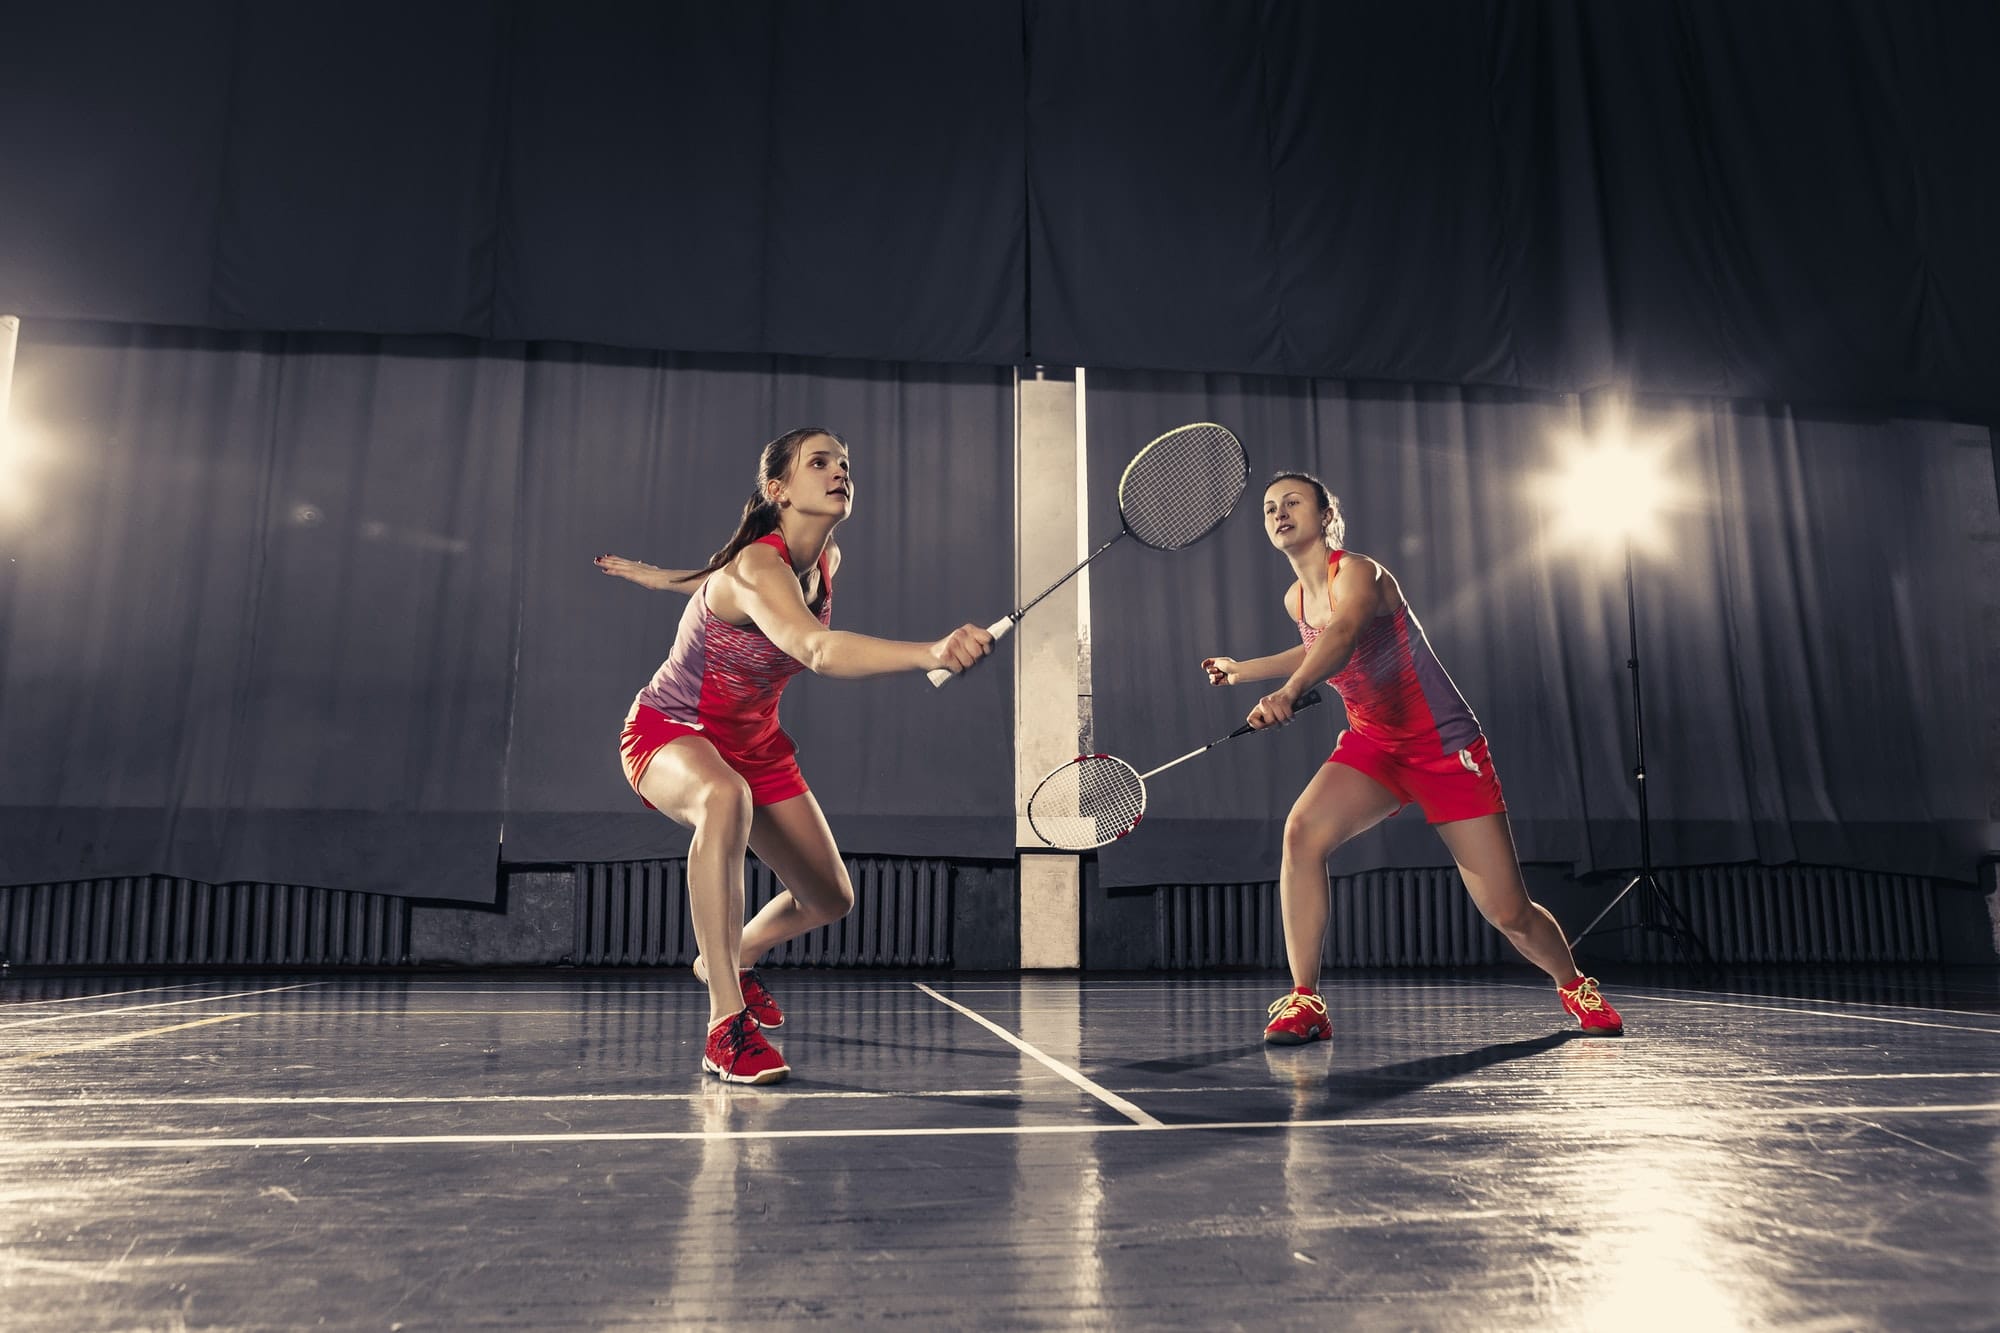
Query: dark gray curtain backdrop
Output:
(1790,200)
(825,179)
(1781,200)
(1810,640)
(318,609)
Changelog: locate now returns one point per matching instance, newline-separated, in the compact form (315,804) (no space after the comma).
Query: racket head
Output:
(1179,488)
(1092,800)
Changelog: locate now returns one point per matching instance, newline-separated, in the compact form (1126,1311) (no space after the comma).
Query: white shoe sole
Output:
(768,1076)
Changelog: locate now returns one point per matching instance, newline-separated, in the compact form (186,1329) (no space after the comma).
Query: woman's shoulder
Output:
(767,552)
(1388,590)
(1361,558)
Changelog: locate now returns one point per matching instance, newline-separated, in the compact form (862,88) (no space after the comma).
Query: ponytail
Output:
(760,519)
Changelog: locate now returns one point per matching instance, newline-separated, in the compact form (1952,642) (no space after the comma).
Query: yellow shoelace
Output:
(1287,1005)
(1585,994)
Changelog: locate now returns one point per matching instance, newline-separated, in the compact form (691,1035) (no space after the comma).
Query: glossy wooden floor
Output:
(540,1151)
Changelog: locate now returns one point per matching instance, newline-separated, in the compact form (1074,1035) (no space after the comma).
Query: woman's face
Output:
(821,483)
(1292,516)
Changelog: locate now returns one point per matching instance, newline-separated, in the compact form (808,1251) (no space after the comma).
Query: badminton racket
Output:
(1175,491)
(1096,799)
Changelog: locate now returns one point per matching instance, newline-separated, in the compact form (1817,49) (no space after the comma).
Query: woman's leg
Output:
(1336,805)
(1484,850)
(793,839)
(688,782)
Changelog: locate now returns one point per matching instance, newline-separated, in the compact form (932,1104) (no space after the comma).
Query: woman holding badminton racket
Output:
(1410,739)
(702,742)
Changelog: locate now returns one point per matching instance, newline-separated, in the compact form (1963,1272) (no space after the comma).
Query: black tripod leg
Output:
(1630,885)
(1682,930)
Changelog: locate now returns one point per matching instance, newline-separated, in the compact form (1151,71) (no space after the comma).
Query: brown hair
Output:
(760,513)
(1335,528)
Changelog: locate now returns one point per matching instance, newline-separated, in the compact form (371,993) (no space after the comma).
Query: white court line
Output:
(1103,1094)
(1627,1120)
(101,995)
(1481,1088)
(337,1010)
(164,1004)
(121,1037)
(1865,1004)
(334,1008)
(1809,1013)
(87,1103)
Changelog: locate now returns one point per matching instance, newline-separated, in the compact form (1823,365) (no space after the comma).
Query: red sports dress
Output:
(722,681)
(1408,727)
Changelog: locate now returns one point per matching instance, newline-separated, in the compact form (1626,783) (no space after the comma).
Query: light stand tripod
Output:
(1657,912)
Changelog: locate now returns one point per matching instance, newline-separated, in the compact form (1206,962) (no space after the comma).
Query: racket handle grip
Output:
(998,629)
(1306,700)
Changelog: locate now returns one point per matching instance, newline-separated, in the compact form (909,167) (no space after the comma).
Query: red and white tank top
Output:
(1395,689)
(725,679)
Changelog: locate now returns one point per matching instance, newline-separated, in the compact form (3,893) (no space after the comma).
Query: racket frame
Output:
(1305,701)
(1000,628)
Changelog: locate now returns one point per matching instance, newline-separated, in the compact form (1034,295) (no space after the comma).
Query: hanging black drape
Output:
(1779,200)
(320,609)
(833,180)
(1812,642)
(1790,200)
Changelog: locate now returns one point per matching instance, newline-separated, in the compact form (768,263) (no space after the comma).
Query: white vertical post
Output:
(1051,676)
(10,337)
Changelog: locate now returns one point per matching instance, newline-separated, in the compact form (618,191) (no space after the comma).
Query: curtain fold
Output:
(319,609)
(1783,201)
(260,613)
(1809,637)
(827,180)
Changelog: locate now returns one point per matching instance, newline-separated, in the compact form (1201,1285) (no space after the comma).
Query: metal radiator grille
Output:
(1386,918)
(637,912)
(1423,918)
(178,922)
(1799,914)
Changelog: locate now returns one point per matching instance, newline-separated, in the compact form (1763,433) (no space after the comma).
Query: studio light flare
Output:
(1610,488)
(22,453)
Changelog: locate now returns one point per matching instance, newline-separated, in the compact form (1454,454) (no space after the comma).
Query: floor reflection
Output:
(543,1152)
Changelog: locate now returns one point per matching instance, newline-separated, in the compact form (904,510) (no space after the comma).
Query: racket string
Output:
(1088,803)
(1182,485)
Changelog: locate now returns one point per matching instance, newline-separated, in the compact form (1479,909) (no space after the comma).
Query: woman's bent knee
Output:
(723,807)
(1308,840)
(832,899)
(1514,917)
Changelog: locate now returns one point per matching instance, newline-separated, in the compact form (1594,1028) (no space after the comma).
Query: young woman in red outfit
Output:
(702,742)
(1410,739)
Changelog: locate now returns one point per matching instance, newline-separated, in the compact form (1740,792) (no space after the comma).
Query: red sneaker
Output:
(738,1053)
(1591,1009)
(758,1000)
(1297,1019)
(756,996)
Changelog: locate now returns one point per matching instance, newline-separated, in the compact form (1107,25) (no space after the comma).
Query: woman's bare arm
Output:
(683,581)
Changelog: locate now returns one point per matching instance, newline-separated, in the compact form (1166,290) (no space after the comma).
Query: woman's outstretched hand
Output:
(1221,670)
(959,649)
(645,575)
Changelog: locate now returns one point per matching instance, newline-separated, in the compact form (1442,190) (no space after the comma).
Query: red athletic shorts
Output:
(1445,787)
(773,776)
